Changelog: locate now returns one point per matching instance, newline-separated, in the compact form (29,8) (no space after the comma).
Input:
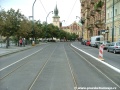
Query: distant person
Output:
(20,42)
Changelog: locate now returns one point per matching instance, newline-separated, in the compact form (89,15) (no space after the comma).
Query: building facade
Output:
(110,20)
(94,18)
(56,18)
(74,28)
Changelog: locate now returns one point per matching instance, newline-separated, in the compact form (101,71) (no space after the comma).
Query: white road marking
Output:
(75,83)
(41,70)
(96,67)
(112,67)
(19,60)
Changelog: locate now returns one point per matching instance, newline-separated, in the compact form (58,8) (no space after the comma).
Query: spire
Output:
(56,11)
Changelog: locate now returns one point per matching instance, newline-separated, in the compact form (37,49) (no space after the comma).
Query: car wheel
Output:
(114,51)
(108,50)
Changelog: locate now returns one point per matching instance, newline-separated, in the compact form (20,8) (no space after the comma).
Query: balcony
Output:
(98,6)
(92,1)
(92,13)
(90,26)
(82,20)
(88,17)
(98,9)
(83,3)
(88,6)
(98,23)
(82,10)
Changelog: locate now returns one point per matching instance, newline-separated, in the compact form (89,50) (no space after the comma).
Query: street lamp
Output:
(46,21)
(113,24)
(33,32)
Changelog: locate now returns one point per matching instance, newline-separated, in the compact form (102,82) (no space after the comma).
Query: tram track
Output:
(12,71)
(94,66)
(45,65)
(40,71)
(60,65)
(72,72)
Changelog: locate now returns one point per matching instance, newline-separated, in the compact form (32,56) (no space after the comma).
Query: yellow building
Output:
(74,28)
(109,19)
(93,16)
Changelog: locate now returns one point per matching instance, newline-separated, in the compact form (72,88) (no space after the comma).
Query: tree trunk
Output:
(7,42)
(18,40)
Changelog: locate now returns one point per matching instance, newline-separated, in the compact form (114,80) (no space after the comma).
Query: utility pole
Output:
(46,22)
(113,24)
(33,31)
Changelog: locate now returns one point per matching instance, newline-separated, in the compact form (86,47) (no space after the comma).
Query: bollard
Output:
(100,56)
(33,43)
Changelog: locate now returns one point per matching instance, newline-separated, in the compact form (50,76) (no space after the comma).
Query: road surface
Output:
(55,66)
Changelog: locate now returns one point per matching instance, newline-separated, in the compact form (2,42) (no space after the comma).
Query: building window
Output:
(115,12)
(110,32)
(111,14)
(108,15)
(115,31)
(119,30)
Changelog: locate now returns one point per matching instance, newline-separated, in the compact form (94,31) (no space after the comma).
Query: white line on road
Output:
(19,60)
(96,67)
(39,73)
(112,67)
(72,73)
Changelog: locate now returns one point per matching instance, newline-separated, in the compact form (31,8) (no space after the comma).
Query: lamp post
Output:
(33,31)
(113,24)
(46,21)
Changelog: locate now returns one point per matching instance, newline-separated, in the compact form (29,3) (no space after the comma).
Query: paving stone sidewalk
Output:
(12,49)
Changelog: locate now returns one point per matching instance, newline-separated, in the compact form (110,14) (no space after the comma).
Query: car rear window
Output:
(108,41)
(118,43)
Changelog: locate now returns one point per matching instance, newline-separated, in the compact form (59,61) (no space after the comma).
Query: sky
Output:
(68,9)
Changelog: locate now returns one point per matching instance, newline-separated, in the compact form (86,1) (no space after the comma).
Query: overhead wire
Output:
(43,8)
(71,10)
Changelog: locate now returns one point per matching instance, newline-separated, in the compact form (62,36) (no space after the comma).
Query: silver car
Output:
(114,47)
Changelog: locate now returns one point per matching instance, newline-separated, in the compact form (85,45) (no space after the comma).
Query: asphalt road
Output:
(55,66)
(109,57)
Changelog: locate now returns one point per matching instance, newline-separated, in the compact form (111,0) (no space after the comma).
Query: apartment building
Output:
(113,22)
(74,28)
(93,17)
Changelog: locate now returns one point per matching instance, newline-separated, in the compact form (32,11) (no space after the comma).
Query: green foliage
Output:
(98,5)
(15,24)
(10,21)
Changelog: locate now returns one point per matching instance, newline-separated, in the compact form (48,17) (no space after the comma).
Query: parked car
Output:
(88,43)
(83,42)
(104,43)
(95,40)
(114,47)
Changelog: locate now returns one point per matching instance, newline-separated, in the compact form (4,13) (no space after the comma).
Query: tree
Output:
(10,20)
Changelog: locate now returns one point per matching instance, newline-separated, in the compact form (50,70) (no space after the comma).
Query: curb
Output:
(8,53)
(105,63)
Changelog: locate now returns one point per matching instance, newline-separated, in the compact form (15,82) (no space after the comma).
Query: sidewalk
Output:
(12,49)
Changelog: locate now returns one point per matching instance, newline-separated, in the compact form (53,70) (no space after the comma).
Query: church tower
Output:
(56,18)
